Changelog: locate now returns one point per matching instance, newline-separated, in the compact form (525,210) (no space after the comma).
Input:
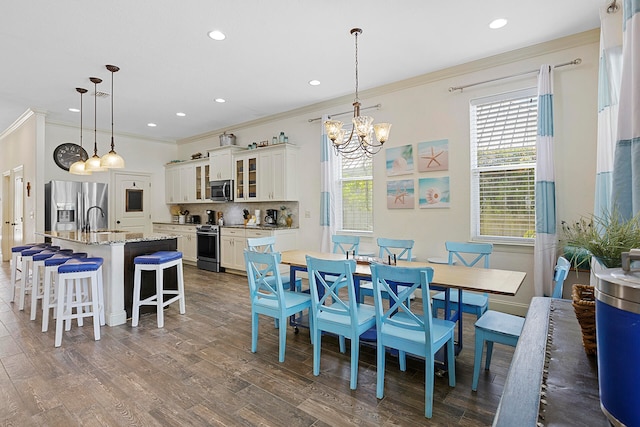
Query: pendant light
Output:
(77,168)
(112,160)
(93,164)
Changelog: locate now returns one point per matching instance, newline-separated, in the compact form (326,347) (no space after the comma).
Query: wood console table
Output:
(572,394)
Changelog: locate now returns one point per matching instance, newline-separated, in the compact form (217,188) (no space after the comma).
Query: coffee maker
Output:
(211,217)
(272,217)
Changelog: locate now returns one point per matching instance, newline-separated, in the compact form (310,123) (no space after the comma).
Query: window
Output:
(354,190)
(503,165)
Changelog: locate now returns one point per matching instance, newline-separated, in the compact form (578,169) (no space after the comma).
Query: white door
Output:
(132,198)
(7,229)
(18,206)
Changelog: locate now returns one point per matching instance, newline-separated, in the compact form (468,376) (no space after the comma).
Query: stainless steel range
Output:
(208,247)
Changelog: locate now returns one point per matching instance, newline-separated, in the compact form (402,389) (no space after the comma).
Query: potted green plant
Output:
(603,237)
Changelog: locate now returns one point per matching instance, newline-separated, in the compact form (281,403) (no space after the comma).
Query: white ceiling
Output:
(273,48)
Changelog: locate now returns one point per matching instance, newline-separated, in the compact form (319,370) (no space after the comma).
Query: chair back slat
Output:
(400,313)
(325,294)
(343,244)
(264,276)
(261,244)
(559,275)
(469,254)
(398,247)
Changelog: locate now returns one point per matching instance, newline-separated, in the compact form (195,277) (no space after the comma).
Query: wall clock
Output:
(67,154)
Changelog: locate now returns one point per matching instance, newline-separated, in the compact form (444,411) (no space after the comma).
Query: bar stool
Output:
(16,260)
(27,261)
(37,287)
(68,295)
(49,300)
(157,262)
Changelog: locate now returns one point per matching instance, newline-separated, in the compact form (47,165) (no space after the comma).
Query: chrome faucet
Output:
(87,227)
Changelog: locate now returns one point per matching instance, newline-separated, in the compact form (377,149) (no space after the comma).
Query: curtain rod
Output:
(460,88)
(346,112)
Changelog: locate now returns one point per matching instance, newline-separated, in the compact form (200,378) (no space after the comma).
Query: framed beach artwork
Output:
(433,156)
(434,192)
(400,194)
(400,160)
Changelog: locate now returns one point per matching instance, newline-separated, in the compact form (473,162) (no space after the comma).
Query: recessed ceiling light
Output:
(314,82)
(180,114)
(217,35)
(74,110)
(151,125)
(497,23)
(221,100)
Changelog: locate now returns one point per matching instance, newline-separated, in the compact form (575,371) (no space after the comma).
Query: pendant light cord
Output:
(358,31)
(112,143)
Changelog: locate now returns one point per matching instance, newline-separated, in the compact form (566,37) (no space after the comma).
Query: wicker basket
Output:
(584,304)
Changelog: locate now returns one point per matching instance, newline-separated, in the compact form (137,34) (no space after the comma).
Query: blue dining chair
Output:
(343,244)
(403,327)
(269,298)
(267,245)
(470,255)
(389,249)
(503,328)
(337,312)
(560,273)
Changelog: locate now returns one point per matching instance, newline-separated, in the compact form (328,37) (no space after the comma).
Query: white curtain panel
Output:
(546,238)
(609,76)
(626,166)
(327,193)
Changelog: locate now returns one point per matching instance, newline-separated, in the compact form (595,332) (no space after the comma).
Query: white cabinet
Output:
(246,177)
(201,176)
(188,182)
(221,162)
(232,244)
(277,177)
(187,241)
(233,241)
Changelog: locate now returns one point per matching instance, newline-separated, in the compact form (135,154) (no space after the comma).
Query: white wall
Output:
(423,109)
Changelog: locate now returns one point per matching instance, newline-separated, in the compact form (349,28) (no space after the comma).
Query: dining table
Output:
(445,278)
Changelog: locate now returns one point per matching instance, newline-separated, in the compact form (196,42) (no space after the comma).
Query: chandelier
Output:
(365,139)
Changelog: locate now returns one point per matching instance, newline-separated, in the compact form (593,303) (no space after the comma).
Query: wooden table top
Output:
(503,282)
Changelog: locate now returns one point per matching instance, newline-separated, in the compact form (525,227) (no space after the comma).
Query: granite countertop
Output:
(105,237)
(259,227)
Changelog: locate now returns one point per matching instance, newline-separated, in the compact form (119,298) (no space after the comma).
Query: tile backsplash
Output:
(232,211)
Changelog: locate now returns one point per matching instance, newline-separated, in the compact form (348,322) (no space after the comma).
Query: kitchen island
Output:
(118,249)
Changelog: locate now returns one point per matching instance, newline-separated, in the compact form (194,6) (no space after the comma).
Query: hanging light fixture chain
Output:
(356,32)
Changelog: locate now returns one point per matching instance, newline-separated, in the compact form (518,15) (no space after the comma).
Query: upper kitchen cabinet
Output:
(246,176)
(221,162)
(187,182)
(277,173)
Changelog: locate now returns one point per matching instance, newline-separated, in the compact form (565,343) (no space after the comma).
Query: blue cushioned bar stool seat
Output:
(70,296)
(50,275)
(158,262)
(494,326)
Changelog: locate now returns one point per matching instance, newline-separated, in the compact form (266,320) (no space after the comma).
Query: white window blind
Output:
(355,204)
(503,160)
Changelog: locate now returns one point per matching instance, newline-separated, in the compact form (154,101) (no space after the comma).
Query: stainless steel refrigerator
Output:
(71,205)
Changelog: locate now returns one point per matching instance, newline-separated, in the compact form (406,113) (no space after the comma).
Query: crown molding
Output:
(564,43)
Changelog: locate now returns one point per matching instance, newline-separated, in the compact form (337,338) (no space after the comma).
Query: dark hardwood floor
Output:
(199,370)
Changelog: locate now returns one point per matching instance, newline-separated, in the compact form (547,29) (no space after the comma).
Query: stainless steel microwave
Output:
(222,190)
